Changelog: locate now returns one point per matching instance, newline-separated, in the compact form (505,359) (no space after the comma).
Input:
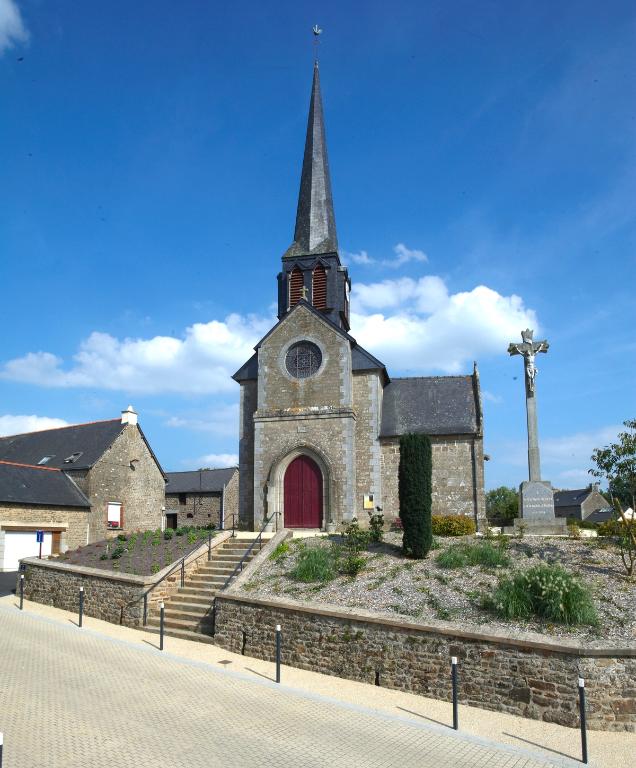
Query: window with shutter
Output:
(296,283)
(319,287)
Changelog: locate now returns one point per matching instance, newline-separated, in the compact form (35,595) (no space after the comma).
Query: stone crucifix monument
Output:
(536,495)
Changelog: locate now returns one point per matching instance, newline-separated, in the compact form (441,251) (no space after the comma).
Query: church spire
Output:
(315,231)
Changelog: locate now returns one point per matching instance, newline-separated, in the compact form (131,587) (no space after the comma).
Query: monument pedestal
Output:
(537,511)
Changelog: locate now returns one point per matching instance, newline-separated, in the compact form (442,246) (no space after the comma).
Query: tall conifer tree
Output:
(415,482)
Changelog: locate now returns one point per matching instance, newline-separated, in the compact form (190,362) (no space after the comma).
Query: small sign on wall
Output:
(368,501)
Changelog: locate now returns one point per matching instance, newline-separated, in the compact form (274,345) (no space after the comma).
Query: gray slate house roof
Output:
(79,446)
(434,405)
(24,484)
(571,498)
(199,481)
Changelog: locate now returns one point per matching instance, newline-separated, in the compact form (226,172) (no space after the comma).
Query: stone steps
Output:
(188,613)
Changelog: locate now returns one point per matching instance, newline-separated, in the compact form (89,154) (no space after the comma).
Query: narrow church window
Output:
(303,360)
(296,283)
(319,287)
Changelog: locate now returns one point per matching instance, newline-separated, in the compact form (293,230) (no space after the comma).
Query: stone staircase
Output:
(188,613)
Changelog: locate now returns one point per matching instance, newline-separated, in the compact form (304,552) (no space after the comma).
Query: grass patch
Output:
(546,591)
(315,564)
(281,551)
(462,555)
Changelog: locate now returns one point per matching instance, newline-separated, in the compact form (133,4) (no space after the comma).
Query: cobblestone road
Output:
(73,697)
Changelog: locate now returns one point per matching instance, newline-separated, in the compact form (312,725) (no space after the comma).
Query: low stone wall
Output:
(114,597)
(515,675)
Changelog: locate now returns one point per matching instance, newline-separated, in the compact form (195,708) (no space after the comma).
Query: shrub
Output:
(351,565)
(354,538)
(452,525)
(484,553)
(155,568)
(179,532)
(168,534)
(104,556)
(121,537)
(281,551)
(192,537)
(376,527)
(547,591)
(414,487)
(117,553)
(314,564)
(610,528)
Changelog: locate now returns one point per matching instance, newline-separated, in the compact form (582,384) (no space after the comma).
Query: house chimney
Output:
(129,416)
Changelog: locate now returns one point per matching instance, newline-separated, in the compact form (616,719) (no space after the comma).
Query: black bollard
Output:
(583,724)
(81,606)
(1,749)
(454,683)
(278,639)
(21,590)
(183,572)
(161,613)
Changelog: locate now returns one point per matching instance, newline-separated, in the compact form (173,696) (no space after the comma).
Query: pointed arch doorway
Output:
(303,494)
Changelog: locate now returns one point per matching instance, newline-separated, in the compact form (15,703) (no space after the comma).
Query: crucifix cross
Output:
(528,349)
(304,292)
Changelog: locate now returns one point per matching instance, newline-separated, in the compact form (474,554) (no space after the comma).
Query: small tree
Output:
(502,503)
(617,463)
(415,483)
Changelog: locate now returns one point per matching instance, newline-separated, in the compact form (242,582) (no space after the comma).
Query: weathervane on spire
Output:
(317,32)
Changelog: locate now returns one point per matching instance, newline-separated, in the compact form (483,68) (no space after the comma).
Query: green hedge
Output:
(453,525)
(415,491)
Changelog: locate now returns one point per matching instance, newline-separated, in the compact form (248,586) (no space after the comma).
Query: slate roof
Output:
(434,405)
(89,440)
(24,484)
(199,481)
(571,498)
(315,221)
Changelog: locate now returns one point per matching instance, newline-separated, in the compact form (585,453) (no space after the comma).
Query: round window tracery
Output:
(303,359)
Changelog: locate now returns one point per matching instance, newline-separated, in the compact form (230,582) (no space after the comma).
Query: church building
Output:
(320,417)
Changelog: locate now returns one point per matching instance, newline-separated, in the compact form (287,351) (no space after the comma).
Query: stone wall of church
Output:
(246,454)
(367,399)
(314,413)
(458,476)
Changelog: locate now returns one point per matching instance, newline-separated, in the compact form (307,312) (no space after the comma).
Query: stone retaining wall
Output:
(522,677)
(114,597)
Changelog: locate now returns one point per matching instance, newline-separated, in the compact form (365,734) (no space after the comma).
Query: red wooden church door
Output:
(303,494)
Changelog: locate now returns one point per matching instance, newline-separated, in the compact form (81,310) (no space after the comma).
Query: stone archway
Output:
(276,488)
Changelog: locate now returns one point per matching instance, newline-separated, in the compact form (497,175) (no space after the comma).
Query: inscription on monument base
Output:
(537,500)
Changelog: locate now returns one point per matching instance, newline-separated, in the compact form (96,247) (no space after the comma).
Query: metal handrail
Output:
(179,564)
(258,540)
(233,516)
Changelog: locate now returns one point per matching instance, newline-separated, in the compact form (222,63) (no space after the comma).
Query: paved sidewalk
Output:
(104,695)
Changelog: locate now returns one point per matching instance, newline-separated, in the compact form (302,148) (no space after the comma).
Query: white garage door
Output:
(19,544)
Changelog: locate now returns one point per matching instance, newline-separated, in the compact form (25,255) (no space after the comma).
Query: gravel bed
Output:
(421,591)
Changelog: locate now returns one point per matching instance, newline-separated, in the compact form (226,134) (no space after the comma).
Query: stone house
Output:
(583,504)
(108,467)
(202,497)
(39,499)
(320,417)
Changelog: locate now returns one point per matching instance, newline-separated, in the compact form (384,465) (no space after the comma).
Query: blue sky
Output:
(484,178)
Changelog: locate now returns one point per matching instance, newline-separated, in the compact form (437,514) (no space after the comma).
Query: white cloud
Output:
(491,397)
(432,329)
(565,460)
(12,29)
(17,425)
(362,257)
(215,461)
(403,255)
(412,325)
(200,362)
(222,421)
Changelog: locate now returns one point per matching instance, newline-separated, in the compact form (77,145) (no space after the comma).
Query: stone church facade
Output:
(320,417)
